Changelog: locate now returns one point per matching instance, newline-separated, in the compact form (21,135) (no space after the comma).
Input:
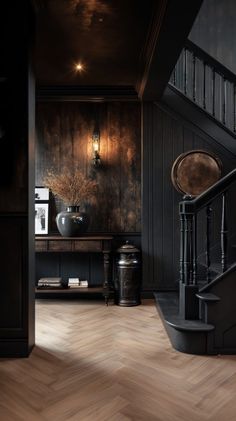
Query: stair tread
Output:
(207,296)
(189,325)
(168,303)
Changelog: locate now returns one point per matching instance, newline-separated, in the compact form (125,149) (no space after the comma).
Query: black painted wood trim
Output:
(174,18)
(15,349)
(149,47)
(86,93)
(202,121)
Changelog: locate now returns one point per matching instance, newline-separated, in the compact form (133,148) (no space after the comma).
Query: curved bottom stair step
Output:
(207,297)
(189,336)
(188,325)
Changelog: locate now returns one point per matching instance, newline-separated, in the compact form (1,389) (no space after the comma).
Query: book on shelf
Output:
(83,283)
(51,287)
(80,283)
(73,282)
(50,282)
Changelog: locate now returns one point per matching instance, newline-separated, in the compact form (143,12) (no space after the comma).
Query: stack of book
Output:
(50,283)
(77,283)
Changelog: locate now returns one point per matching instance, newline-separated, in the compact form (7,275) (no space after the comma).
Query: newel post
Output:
(187,287)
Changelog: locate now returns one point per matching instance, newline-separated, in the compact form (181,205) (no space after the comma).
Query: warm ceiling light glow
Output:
(79,67)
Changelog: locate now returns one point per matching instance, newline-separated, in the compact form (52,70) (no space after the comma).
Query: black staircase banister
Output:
(194,205)
(212,87)
(220,68)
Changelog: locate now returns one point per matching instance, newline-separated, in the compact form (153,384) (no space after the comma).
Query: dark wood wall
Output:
(64,134)
(215,31)
(165,136)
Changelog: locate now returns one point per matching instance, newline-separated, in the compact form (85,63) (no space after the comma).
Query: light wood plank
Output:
(98,363)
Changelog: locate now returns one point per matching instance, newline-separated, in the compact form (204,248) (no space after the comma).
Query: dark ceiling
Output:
(107,36)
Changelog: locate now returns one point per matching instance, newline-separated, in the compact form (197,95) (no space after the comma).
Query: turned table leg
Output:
(107,274)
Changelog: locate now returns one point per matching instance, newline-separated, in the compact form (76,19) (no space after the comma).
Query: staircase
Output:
(201,317)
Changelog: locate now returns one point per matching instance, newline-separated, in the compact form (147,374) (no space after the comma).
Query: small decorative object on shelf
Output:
(83,283)
(41,210)
(72,222)
(41,194)
(73,188)
(73,282)
(41,218)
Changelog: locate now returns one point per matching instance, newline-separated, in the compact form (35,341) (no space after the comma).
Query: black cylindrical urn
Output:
(128,283)
(72,222)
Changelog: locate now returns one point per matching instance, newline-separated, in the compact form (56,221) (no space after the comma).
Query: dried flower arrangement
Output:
(71,186)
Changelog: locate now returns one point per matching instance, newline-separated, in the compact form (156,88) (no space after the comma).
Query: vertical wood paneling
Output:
(147,196)
(165,137)
(12,285)
(64,135)
(157,192)
(167,228)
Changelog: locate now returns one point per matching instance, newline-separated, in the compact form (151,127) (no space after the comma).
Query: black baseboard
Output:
(89,296)
(15,349)
(147,294)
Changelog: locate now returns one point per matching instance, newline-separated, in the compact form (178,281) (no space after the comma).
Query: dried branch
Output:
(71,186)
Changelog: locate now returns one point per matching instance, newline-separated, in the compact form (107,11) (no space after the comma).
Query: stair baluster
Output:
(234,118)
(224,101)
(174,76)
(224,234)
(188,246)
(195,251)
(208,243)
(194,78)
(213,91)
(181,258)
(185,71)
(204,85)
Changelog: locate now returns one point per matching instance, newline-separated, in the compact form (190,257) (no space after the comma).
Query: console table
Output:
(85,244)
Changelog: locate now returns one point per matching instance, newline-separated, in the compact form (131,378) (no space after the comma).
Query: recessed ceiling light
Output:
(79,67)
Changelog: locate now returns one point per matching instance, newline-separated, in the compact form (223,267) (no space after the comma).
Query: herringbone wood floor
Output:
(94,363)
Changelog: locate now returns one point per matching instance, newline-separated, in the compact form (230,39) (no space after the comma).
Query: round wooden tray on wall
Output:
(195,171)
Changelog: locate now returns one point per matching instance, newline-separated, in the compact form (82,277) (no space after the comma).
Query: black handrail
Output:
(212,87)
(204,199)
(207,83)
(211,61)
(188,209)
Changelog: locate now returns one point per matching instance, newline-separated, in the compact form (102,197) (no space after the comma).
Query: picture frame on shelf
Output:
(41,194)
(41,218)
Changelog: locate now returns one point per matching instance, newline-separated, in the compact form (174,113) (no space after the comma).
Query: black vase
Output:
(72,222)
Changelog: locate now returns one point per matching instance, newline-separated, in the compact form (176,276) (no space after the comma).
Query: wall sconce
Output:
(96,148)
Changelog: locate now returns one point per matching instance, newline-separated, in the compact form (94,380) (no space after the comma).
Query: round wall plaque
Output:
(195,171)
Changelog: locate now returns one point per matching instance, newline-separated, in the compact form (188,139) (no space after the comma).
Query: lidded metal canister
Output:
(129,276)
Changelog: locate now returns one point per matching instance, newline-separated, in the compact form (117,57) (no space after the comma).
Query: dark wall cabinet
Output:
(16,181)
